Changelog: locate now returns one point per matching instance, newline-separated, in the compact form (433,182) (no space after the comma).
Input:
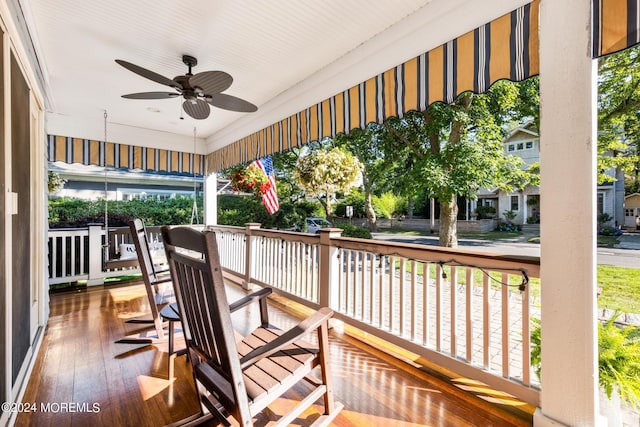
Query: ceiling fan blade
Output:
(230,102)
(197,108)
(211,81)
(149,74)
(151,95)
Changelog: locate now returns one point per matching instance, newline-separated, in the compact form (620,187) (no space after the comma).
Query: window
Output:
(161,195)
(515,203)
(511,147)
(600,203)
(521,146)
(528,145)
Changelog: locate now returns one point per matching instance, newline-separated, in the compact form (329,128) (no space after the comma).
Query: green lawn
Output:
(620,288)
(491,235)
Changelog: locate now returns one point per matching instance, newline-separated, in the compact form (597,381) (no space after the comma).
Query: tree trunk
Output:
(368,207)
(327,207)
(449,223)
(410,208)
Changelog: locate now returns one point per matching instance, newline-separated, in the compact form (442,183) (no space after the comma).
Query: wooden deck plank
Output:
(79,362)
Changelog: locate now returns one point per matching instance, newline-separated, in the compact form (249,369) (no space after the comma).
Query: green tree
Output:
(619,114)
(389,204)
(368,145)
(284,165)
(322,173)
(456,149)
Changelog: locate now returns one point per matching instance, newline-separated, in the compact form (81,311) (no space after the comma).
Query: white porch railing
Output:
(78,254)
(458,309)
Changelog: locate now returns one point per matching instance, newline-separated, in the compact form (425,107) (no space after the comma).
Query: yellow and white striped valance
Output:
(616,25)
(506,48)
(122,156)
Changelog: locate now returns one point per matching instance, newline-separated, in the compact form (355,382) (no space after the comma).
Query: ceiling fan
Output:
(198,90)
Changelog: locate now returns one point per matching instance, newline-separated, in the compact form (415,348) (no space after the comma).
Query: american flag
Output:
(270,197)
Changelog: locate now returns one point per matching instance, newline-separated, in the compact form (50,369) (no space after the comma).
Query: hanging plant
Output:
(249,180)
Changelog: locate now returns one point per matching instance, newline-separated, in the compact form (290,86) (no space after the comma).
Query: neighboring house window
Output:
(140,194)
(600,203)
(511,147)
(515,203)
(629,212)
(521,146)
(529,145)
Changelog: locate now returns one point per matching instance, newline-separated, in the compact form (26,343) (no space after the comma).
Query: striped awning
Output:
(506,48)
(121,156)
(616,25)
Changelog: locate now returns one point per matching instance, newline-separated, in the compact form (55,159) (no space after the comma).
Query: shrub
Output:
(509,216)
(72,212)
(239,210)
(485,211)
(609,231)
(618,358)
(350,230)
(511,228)
(355,199)
(603,218)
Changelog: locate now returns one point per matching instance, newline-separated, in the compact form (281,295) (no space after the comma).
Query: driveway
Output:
(626,255)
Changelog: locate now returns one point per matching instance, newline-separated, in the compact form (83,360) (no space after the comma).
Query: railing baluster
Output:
(438,307)
(381,275)
(414,298)
(486,322)
(505,325)
(392,299)
(469,314)
(526,336)
(354,284)
(402,284)
(454,308)
(372,279)
(426,328)
(363,283)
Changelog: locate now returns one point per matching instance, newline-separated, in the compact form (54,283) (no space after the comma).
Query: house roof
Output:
(527,127)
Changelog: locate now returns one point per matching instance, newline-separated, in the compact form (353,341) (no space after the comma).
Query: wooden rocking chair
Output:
(157,284)
(241,378)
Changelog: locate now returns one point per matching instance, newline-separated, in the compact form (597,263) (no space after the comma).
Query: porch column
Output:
(210,196)
(567,183)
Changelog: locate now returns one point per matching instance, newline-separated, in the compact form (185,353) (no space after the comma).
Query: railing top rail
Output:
(230,228)
(288,235)
(437,254)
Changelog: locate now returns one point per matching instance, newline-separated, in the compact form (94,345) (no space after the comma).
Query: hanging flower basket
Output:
(250,180)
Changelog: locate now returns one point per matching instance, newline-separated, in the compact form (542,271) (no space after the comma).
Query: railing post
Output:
(95,255)
(329,267)
(251,251)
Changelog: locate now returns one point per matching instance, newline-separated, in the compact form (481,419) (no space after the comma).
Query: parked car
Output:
(315,224)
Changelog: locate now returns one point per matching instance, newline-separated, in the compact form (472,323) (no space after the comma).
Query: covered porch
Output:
(121,384)
(567,36)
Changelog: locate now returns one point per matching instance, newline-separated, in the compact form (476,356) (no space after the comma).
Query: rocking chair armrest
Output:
(244,301)
(303,328)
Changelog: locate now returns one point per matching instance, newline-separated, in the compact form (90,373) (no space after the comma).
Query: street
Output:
(606,256)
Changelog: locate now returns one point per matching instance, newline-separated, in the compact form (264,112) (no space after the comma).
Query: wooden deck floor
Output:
(82,378)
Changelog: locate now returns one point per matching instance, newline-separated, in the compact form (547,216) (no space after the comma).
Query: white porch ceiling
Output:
(283,55)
